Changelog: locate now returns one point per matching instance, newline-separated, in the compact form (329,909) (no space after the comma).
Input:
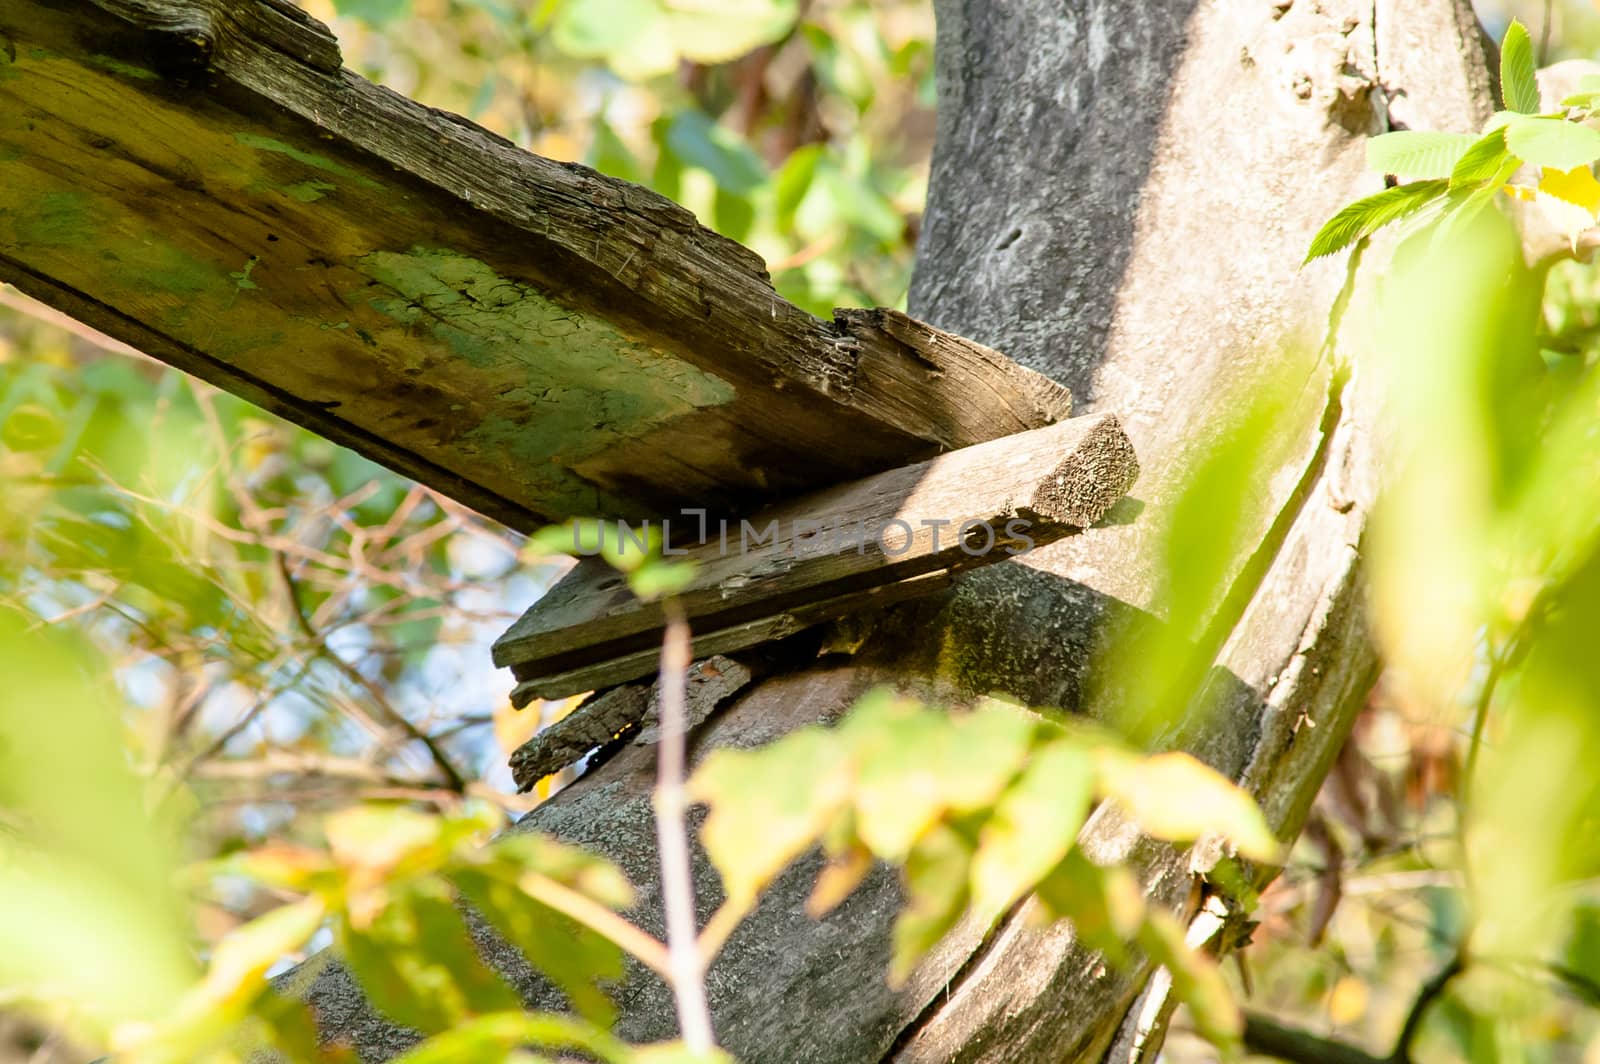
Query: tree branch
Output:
(672,839)
(1267,1036)
(1429,993)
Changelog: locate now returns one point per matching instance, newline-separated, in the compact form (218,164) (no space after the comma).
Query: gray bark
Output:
(1121,197)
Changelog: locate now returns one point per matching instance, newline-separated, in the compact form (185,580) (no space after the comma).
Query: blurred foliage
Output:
(1446,885)
(215,623)
(981,808)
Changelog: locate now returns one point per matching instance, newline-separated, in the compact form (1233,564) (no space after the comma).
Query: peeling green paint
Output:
(307,191)
(162,269)
(316,162)
(241,278)
(64,218)
(117,66)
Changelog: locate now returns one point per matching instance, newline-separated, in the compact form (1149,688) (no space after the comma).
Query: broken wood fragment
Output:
(202,180)
(828,554)
(630,711)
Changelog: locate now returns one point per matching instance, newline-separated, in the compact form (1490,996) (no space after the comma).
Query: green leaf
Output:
(793,180)
(1588,91)
(1519,88)
(1196,981)
(717,31)
(768,806)
(698,141)
(658,577)
(1104,904)
(1553,142)
(574,957)
(1483,161)
(1417,154)
(610,156)
(597,29)
(936,889)
(376,13)
(492,1037)
(418,964)
(1034,825)
(1366,216)
(571,866)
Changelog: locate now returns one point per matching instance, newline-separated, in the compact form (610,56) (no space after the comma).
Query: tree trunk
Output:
(1121,197)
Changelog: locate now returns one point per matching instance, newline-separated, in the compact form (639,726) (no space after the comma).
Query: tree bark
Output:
(1121,197)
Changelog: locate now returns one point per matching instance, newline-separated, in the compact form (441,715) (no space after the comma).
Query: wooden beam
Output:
(203,180)
(826,554)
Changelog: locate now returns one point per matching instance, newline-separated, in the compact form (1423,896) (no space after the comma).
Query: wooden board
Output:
(202,179)
(826,554)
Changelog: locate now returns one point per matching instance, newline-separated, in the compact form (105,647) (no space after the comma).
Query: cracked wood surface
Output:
(202,179)
(814,555)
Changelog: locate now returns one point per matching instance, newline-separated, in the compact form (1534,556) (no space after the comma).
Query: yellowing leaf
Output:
(936,888)
(838,880)
(513,727)
(1348,1001)
(1575,186)
(903,763)
(379,837)
(1033,827)
(239,963)
(915,764)
(768,806)
(1175,797)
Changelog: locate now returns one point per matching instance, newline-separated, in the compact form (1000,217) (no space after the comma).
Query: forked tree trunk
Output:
(1121,197)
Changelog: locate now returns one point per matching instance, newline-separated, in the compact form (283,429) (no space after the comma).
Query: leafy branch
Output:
(1457,175)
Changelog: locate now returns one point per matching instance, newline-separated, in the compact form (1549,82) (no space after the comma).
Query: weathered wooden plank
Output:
(201,179)
(605,671)
(813,557)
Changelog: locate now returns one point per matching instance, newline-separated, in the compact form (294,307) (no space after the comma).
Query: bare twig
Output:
(671,804)
(453,778)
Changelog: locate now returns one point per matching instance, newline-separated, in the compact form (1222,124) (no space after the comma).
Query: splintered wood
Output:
(826,554)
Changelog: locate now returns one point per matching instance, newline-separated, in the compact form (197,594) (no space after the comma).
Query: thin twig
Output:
(453,778)
(1430,993)
(672,839)
(601,920)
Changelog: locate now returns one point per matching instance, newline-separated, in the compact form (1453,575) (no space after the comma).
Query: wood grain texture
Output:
(971,507)
(201,179)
